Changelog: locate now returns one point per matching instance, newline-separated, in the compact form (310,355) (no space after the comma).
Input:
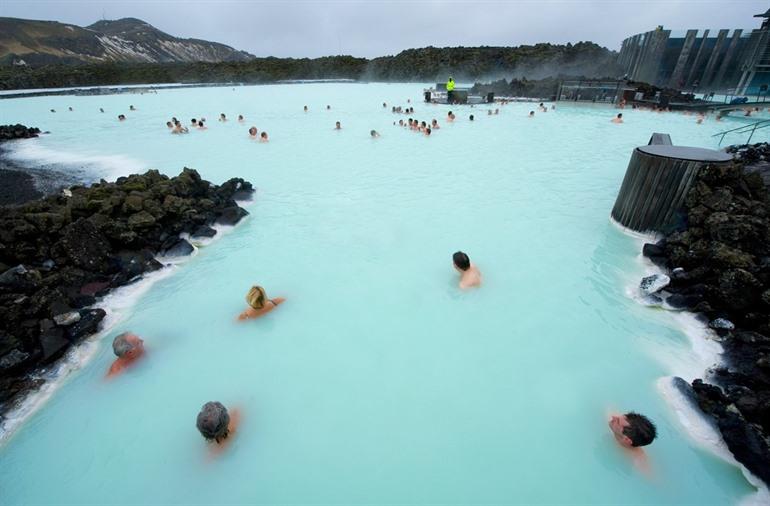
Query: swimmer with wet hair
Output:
(263,137)
(128,348)
(305,108)
(470,276)
(194,122)
(374,134)
(258,303)
(338,126)
(450,117)
(240,118)
(471,117)
(253,132)
(101,110)
(202,125)
(384,105)
(434,124)
(328,108)
(618,119)
(121,117)
(216,424)
(400,122)
(531,114)
(222,117)
(427,132)
(53,110)
(170,125)
(131,108)
(489,112)
(70,108)
(632,430)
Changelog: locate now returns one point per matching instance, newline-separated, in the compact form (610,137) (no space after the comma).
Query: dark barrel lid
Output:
(686,153)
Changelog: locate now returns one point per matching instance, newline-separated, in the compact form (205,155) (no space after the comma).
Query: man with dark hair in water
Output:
(469,274)
(216,424)
(632,430)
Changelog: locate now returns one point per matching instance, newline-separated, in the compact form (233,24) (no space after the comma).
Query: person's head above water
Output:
(633,430)
(127,345)
(471,118)
(213,421)
(253,131)
(169,124)
(338,126)
(374,133)
(620,115)
(461,261)
(263,136)
(256,297)
(531,113)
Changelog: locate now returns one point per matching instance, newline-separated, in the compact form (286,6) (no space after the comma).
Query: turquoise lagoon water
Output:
(378,381)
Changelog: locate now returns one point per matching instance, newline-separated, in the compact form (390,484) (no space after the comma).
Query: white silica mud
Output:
(378,381)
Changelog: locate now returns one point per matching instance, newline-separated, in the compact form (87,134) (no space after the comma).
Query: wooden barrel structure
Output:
(656,183)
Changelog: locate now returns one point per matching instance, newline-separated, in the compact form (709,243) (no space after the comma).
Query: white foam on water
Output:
(110,167)
(705,351)
(705,435)
(118,305)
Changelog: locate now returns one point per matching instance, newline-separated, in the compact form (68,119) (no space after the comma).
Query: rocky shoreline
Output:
(718,266)
(19,184)
(59,254)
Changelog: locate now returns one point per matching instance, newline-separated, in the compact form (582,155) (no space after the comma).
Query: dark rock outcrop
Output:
(58,254)
(10,132)
(720,266)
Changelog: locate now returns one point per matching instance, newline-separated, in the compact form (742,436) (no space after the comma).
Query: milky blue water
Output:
(378,381)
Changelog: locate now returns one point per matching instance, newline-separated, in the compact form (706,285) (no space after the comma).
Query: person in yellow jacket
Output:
(450,86)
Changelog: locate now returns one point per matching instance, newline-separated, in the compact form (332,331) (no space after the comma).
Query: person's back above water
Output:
(258,303)
(128,348)
(470,276)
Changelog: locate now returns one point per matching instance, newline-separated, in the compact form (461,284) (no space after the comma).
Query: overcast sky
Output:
(376,28)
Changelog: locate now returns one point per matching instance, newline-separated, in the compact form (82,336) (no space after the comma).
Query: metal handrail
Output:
(745,128)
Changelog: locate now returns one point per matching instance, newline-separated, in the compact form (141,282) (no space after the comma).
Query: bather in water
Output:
(128,348)
(259,304)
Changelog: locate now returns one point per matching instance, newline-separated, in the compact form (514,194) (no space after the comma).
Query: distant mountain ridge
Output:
(128,40)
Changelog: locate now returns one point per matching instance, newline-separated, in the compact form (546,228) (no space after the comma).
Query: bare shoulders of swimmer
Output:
(128,348)
(258,303)
(470,276)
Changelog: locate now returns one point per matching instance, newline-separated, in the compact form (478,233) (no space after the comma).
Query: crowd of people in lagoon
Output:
(217,424)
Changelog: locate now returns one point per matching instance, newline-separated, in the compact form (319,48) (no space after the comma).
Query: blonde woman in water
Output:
(258,303)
